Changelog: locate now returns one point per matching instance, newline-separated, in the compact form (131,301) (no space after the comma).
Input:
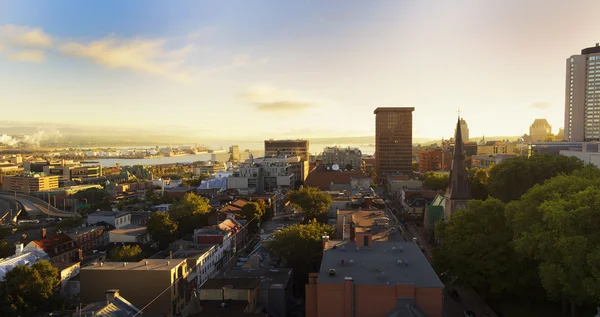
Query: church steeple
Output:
(458,188)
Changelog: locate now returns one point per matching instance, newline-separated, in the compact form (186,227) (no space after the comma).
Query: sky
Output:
(275,69)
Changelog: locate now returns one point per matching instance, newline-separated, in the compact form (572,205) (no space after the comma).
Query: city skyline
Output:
(287,69)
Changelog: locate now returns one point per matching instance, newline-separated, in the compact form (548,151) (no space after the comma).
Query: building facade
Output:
(464,130)
(28,183)
(343,157)
(262,177)
(539,130)
(458,193)
(582,96)
(116,219)
(434,160)
(287,147)
(393,141)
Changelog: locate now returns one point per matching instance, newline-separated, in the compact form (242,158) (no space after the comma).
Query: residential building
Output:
(224,240)
(393,141)
(233,296)
(369,164)
(323,178)
(274,290)
(287,147)
(458,193)
(493,148)
(434,160)
(261,177)
(115,219)
(464,129)
(486,161)
(62,251)
(582,96)
(114,305)
(210,168)
(88,238)
(236,229)
(343,157)
(29,182)
(297,167)
(142,283)
(129,234)
(180,191)
(365,277)
(539,130)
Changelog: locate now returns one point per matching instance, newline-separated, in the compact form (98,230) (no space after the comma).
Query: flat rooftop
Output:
(130,230)
(147,264)
(109,213)
(394,109)
(378,265)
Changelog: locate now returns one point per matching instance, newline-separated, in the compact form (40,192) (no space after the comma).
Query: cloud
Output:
(31,56)
(201,33)
(24,36)
(146,56)
(243,60)
(541,105)
(271,99)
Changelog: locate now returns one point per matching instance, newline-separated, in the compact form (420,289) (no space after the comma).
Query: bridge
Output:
(35,206)
(10,209)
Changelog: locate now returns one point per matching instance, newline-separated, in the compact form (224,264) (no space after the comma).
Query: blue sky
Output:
(260,69)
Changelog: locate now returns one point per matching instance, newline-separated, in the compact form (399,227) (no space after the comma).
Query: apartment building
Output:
(62,251)
(582,96)
(362,277)
(88,238)
(434,160)
(343,157)
(261,177)
(393,141)
(142,283)
(287,147)
(116,219)
(28,183)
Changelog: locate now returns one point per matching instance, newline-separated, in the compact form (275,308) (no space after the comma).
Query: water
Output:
(190,158)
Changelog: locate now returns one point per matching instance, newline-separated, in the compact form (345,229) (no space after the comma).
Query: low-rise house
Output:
(129,234)
(88,238)
(115,219)
(62,251)
(115,305)
(224,241)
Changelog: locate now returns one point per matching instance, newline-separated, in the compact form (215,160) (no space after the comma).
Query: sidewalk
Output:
(469,297)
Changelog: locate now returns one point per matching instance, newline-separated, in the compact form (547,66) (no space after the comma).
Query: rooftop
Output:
(130,230)
(378,265)
(147,264)
(180,189)
(235,283)
(394,109)
(269,278)
(324,179)
(82,230)
(109,213)
(56,244)
(118,307)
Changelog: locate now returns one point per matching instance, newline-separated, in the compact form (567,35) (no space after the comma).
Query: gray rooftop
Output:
(82,230)
(109,213)
(378,265)
(269,277)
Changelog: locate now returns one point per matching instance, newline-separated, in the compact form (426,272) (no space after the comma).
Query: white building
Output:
(116,219)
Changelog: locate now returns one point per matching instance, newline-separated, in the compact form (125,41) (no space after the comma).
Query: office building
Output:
(345,158)
(287,147)
(539,130)
(393,141)
(73,173)
(142,283)
(210,168)
(28,183)
(582,96)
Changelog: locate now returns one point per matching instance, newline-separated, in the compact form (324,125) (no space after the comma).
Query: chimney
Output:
(325,242)
(79,255)
(18,248)
(111,294)
(43,232)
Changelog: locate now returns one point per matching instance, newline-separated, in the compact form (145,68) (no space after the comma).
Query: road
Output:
(37,207)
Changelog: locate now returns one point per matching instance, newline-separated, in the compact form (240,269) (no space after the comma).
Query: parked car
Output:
(469,313)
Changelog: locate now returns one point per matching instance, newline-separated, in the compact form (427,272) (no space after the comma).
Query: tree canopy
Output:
(436,181)
(6,249)
(128,253)
(190,212)
(162,229)
(253,213)
(311,200)
(27,290)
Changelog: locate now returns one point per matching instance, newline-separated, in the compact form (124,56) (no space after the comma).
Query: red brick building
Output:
(434,160)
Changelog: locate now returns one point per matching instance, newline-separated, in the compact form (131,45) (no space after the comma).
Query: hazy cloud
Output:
(271,99)
(31,56)
(201,33)
(24,36)
(243,60)
(541,105)
(146,56)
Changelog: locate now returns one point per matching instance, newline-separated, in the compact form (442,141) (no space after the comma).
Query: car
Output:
(469,313)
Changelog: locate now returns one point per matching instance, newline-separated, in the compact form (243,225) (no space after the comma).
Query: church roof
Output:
(458,188)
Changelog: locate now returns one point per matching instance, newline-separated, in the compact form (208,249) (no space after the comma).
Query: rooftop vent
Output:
(145,262)
(124,263)
(399,262)
(351,262)
(331,272)
(101,264)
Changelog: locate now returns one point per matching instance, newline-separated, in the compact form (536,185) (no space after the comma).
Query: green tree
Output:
(558,225)
(253,213)
(128,253)
(415,166)
(478,179)
(514,177)
(150,195)
(312,201)
(190,213)
(476,248)
(301,248)
(6,249)
(162,229)
(436,181)
(27,290)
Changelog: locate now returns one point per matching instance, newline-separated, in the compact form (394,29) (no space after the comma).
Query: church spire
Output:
(458,188)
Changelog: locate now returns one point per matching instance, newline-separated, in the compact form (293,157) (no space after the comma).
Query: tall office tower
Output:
(287,147)
(582,96)
(393,141)
(464,128)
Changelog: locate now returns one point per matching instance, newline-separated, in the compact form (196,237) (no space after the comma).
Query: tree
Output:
(162,229)
(312,201)
(300,247)
(478,179)
(150,195)
(557,224)
(253,213)
(436,181)
(190,213)
(6,250)
(514,177)
(415,166)
(476,248)
(27,290)
(128,253)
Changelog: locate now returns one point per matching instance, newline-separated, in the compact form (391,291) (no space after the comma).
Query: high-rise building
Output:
(287,147)
(539,130)
(464,128)
(582,96)
(458,193)
(393,141)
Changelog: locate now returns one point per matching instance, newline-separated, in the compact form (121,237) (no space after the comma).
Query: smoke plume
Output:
(35,139)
